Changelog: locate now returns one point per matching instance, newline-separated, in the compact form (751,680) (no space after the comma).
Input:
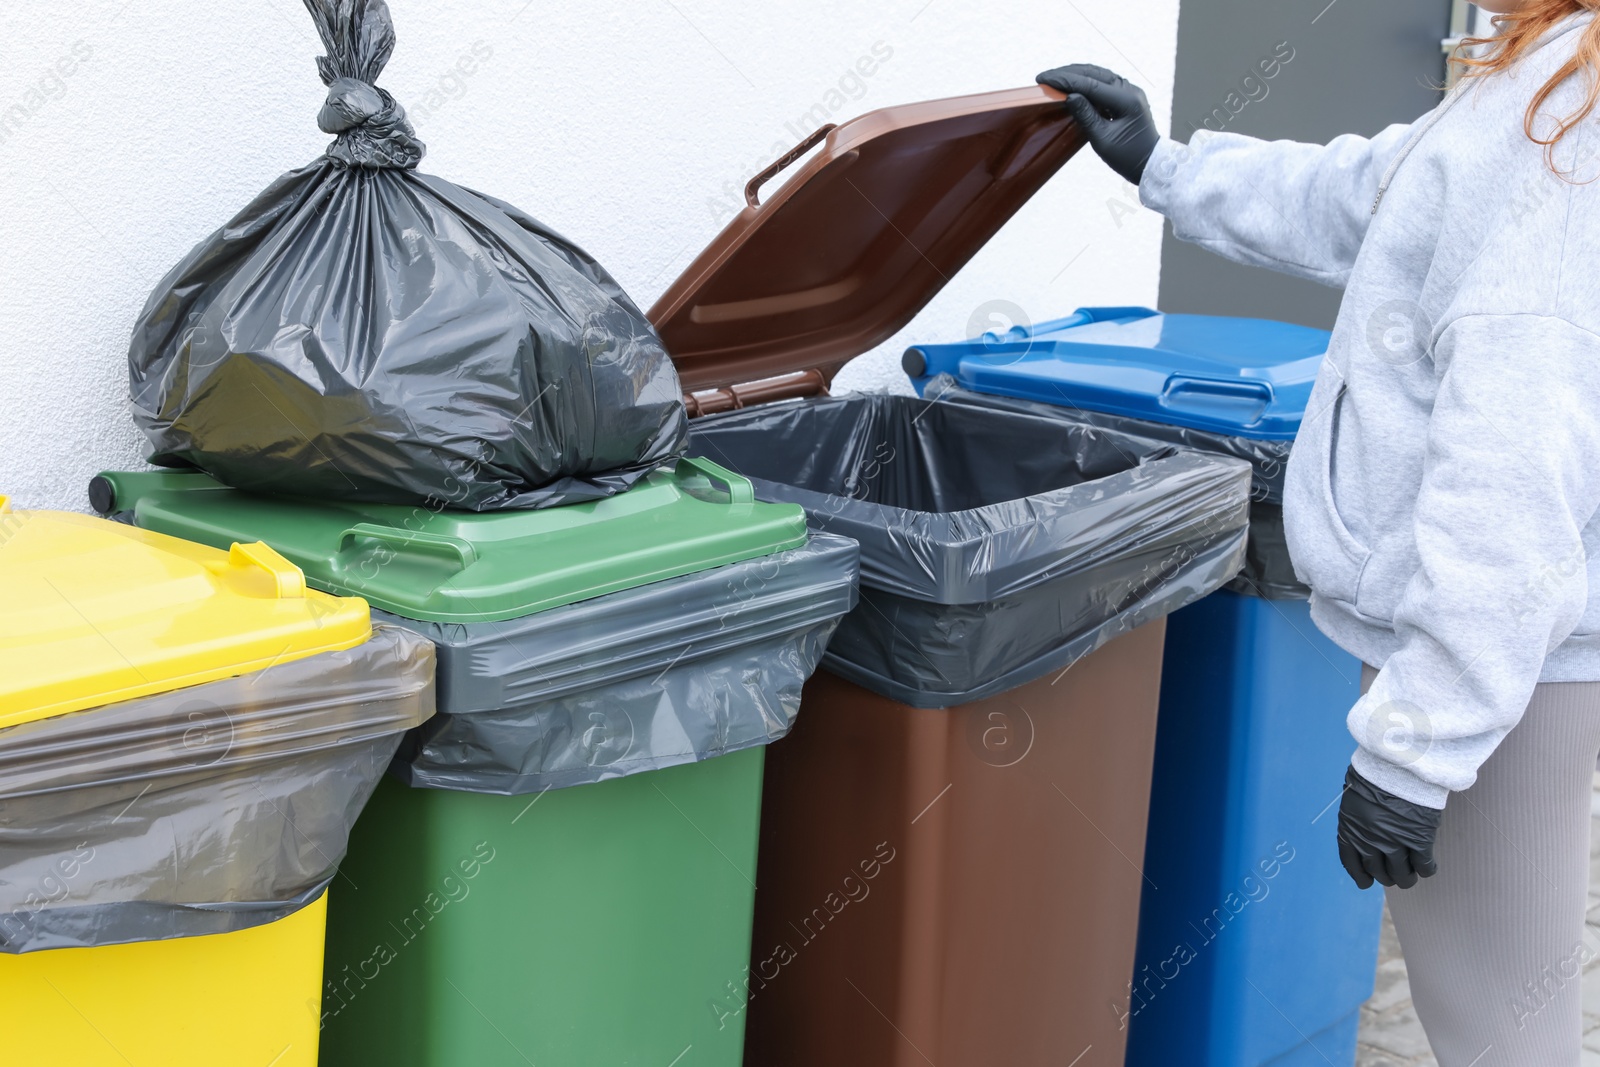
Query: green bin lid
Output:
(465,566)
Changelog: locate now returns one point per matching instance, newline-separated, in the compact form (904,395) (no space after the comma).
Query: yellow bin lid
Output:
(94,611)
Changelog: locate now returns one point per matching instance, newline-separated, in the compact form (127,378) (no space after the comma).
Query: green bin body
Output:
(600,930)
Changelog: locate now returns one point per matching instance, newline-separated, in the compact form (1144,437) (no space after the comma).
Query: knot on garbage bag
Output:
(371,127)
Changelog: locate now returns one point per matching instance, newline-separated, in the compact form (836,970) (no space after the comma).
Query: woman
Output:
(1441,501)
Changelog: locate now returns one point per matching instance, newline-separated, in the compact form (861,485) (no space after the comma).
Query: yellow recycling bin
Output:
(186,737)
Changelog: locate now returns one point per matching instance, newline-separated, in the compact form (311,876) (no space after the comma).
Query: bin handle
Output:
(739,489)
(420,541)
(287,582)
(1179,385)
(753,187)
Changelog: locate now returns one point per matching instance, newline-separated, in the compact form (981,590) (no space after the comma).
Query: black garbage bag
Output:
(365,331)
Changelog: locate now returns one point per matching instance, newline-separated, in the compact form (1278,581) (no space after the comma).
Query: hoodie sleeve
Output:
(1301,209)
(1509,484)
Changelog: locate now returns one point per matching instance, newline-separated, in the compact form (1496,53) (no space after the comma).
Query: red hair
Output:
(1518,34)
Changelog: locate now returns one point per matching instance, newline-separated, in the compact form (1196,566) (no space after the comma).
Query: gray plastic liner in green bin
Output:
(1268,572)
(663,674)
(996,546)
(204,810)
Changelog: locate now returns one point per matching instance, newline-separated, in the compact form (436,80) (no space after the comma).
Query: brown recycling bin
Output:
(951,835)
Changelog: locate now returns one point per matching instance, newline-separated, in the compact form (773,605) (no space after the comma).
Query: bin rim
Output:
(445,565)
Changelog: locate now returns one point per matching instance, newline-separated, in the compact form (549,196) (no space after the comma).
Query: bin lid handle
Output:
(739,489)
(752,188)
(287,580)
(419,541)
(1180,386)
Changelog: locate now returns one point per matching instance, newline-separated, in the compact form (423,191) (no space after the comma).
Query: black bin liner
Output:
(668,673)
(204,810)
(367,332)
(1268,572)
(996,547)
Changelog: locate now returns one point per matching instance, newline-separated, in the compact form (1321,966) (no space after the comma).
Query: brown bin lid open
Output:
(849,250)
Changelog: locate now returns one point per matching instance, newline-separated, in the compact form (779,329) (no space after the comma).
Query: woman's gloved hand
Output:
(1385,838)
(1113,113)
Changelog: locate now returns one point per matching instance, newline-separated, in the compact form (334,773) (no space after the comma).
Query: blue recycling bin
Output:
(1255,948)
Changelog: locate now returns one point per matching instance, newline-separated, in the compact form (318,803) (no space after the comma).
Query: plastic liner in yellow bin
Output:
(164,859)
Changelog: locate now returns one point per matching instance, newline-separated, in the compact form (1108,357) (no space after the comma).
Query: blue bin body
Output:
(1255,948)
(1254,945)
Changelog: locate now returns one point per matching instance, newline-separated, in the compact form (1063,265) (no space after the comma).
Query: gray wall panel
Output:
(1357,66)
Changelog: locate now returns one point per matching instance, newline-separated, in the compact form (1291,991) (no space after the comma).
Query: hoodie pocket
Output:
(1341,558)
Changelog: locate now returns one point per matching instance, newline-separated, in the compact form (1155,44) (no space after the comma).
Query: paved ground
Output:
(1390,1033)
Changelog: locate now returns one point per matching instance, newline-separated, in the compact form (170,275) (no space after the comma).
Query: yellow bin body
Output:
(253,997)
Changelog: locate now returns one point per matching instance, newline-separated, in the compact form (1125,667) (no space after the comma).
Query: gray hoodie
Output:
(1441,500)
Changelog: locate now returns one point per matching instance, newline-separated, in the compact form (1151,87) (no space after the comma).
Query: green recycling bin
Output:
(560,868)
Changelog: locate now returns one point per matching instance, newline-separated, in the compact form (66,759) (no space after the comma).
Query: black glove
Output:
(1113,113)
(1383,837)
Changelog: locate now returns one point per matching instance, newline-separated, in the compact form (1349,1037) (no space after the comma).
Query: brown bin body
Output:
(1001,933)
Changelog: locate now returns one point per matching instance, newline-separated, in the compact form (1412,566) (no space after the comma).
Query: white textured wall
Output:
(131,128)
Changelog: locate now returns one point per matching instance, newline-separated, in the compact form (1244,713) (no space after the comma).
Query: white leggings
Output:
(1494,943)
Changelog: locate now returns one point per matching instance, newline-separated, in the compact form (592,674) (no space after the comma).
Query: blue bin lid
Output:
(1243,377)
